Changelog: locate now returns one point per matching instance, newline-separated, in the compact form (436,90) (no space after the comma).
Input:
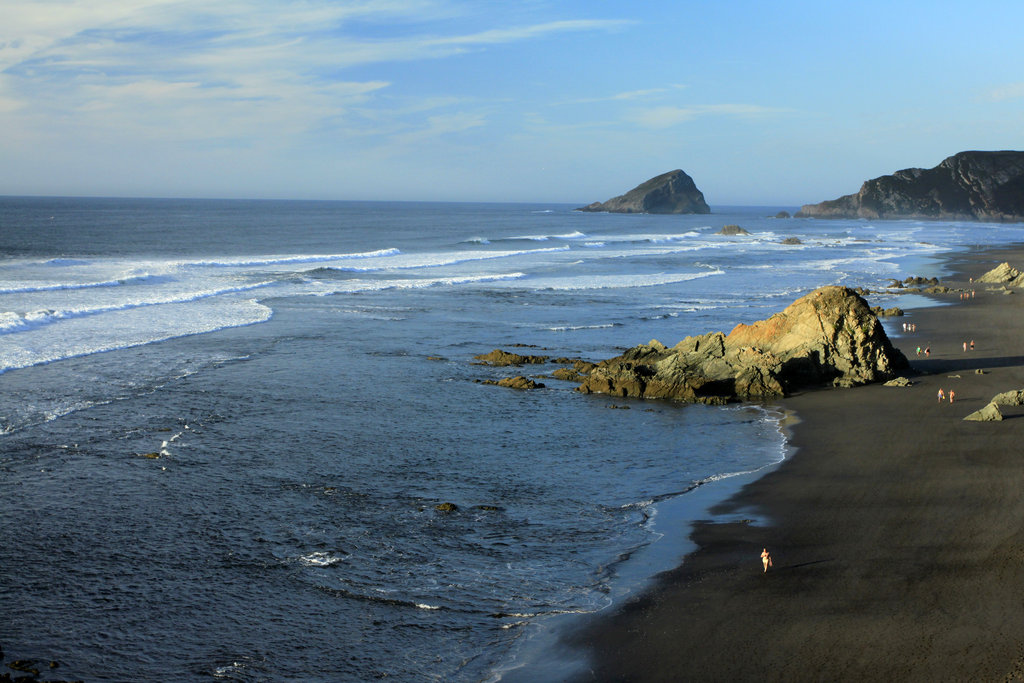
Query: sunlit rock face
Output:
(829,336)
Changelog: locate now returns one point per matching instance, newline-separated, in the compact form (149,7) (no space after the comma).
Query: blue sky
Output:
(778,103)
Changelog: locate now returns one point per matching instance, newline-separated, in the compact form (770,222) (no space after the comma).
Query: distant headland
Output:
(672,192)
(982,186)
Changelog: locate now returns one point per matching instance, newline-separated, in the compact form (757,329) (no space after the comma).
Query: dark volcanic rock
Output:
(830,335)
(792,240)
(984,186)
(672,192)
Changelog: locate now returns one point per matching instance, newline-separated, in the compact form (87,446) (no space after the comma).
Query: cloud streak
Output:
(192,69)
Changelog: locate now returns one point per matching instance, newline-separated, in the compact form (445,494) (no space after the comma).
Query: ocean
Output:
(226,426)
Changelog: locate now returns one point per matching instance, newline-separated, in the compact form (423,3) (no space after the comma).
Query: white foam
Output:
(125,328)
(242,262)
(615,281)
(13,322)
(438,259)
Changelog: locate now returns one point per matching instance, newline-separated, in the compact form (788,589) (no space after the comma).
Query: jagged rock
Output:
(1009,398)
(989,413)
(893,312)
(447,507)
(792,240)
(1003,274)
(732,229)
(783,214)
(518,382)
(672,192)
(499,358)
(567,375)
(830,335)
(899,382)
(918,280)
(984,186)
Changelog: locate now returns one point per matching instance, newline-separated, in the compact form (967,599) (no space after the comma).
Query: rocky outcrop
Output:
(1003,274)
(828,336)
(518,382)
(983,186)
(989,413)
(672,192)
(732,229)
(499,358)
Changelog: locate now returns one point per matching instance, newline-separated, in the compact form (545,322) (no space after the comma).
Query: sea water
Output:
(226,426)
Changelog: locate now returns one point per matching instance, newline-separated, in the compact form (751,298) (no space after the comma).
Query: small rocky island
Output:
(672,192)
(830,336)
(982,186)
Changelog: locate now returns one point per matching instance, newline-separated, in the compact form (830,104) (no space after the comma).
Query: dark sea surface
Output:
(225,426)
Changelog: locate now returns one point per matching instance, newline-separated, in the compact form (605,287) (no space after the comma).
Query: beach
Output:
(896,530)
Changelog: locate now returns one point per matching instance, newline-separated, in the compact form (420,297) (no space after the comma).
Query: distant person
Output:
(951,395)
(972,345)
(919,350)
(766,559)
(927,351)
(965,347)
(942,396)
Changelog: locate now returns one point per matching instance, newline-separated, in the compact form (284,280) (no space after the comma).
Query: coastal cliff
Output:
(983,186)
(672,192)
(827,336)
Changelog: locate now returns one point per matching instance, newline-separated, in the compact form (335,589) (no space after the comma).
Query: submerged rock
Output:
(518,382)
(446,507)
(499,358)
(672,192)
(732,229)
(984,186)
(792,240)
(828,336)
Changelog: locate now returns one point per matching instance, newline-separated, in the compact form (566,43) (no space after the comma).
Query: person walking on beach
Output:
(965,347)
(766,559)
(942,395)
(951,395)
(919,350)
(972,345)
(927,351)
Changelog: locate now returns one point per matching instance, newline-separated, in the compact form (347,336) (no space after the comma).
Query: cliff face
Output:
(983,186)
(828,336)
(672,192)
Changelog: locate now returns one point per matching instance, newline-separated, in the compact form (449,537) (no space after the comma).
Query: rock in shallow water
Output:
(830,335)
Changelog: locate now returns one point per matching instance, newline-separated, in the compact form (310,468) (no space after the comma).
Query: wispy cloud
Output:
(667,117)
(195,69)
(1010,91)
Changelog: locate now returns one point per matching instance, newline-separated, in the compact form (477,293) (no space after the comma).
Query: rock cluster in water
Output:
(672,192)
(827,336)
(984,186)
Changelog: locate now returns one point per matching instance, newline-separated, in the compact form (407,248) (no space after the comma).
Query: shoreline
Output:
(897,530)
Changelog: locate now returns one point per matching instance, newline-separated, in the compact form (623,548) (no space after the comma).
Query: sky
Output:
(762,103)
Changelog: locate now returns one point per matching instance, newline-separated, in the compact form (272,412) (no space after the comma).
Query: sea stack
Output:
(974,186)
(672,192)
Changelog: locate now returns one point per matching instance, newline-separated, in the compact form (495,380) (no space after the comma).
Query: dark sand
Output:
(897,532)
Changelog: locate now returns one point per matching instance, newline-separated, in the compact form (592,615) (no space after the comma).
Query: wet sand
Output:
(896,528)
